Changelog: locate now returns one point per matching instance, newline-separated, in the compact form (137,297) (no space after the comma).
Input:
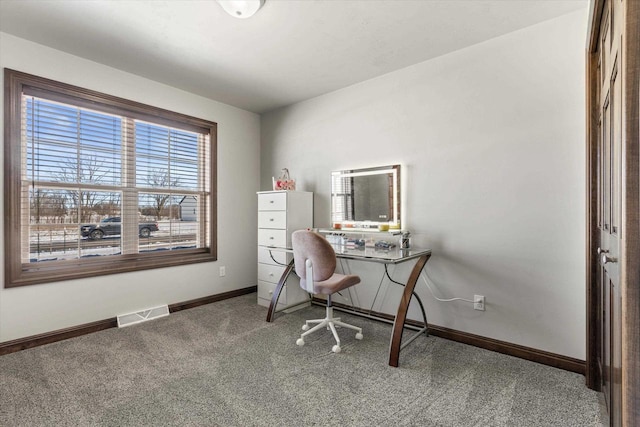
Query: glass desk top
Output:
(387,256)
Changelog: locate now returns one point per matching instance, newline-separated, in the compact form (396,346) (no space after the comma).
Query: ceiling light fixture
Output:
(241,8)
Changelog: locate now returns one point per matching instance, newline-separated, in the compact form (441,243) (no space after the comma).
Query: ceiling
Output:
(291,50)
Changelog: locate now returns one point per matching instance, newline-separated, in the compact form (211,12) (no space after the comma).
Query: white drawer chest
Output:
(280,213)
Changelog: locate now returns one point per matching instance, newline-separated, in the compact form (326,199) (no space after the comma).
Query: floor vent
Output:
(142,316)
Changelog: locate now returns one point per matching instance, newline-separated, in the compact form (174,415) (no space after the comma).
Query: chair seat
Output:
(333,284)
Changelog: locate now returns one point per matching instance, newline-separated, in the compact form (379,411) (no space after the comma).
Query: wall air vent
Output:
(142,316)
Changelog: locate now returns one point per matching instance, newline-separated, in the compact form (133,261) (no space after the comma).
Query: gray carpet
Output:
(223,365)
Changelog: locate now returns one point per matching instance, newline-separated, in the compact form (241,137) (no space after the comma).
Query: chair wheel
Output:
(300,342)
(336,349)
(305,327)
(359,336)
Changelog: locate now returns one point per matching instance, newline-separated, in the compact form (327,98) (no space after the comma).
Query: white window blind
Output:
(99,184)
(342,199)
(96,184)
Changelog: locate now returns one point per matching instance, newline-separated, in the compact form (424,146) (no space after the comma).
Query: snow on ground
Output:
(58,242)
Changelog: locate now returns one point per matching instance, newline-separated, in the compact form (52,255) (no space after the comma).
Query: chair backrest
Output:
(310,245)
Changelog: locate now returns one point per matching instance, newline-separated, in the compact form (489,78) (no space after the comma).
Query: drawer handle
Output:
(271,238)
(271,219)
(271,274)
(271,201)
(270,292)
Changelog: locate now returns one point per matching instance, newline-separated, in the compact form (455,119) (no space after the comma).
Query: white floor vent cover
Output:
(142,316)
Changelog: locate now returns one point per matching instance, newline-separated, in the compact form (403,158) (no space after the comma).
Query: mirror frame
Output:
(394,170)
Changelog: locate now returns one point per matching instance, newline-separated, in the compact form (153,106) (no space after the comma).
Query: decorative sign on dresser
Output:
(280,213)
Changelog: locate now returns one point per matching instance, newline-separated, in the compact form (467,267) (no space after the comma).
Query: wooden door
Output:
(609,202)
(613,270)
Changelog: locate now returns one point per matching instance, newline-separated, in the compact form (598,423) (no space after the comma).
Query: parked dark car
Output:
(111,226)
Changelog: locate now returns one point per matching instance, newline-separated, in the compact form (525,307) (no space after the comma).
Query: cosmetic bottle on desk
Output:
(405,240)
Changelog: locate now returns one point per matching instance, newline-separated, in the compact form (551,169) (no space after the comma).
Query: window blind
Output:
(87,170)
(342,199)
(96,184)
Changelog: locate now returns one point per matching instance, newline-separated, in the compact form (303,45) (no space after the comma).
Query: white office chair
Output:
(315,262)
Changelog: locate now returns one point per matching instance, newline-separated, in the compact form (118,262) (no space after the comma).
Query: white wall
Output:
(35,309)
(491,139)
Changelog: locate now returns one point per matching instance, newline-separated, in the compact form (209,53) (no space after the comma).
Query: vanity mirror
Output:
(365,198)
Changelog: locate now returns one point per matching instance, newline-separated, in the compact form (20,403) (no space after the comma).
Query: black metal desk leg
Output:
(276,294)
(401,316)
(424,314)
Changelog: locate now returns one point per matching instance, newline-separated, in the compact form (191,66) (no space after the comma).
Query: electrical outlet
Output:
(223,271)
(478,302)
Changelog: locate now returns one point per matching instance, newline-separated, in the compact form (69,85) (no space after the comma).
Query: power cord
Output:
(425,276)
(386,271)
(389,277)
(274,260)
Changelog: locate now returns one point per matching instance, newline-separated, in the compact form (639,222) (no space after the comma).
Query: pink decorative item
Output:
(284,181)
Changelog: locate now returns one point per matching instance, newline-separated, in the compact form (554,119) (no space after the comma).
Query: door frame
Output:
(630,208)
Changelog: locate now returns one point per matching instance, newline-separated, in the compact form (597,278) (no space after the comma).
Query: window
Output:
(341,198)
(96,184)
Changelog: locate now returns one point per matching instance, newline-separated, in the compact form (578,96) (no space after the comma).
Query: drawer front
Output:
(266,290)
(270,273)
(279,257)
(272,202)
(272,219)
(272,237)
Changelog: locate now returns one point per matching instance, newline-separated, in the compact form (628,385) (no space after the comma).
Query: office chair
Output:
(315,262)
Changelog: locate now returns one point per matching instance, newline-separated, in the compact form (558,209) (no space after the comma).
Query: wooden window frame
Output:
(19,274)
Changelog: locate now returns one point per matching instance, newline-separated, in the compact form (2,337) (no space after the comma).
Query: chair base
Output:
(328,322)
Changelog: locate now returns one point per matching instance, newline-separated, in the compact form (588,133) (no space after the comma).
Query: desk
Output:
(392,256)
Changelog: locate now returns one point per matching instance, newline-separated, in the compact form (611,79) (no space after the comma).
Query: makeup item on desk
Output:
(384,245)
(383,227)
(337,226)
(405,240)
(394,226)
(336,239)
(355,243)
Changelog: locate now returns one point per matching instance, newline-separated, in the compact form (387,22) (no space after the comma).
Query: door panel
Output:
(613,158)
(609,210)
